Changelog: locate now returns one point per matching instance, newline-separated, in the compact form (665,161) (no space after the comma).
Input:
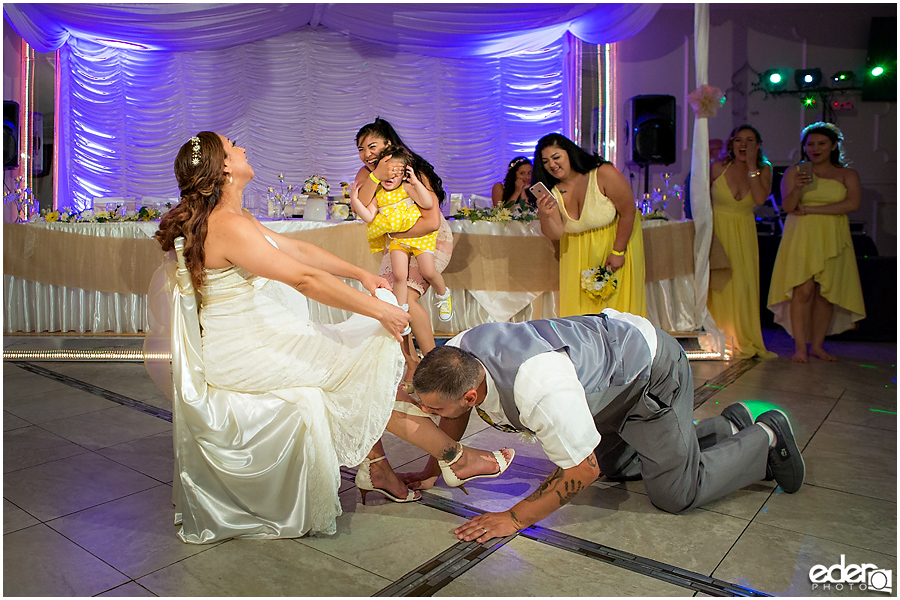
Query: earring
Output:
(230,179)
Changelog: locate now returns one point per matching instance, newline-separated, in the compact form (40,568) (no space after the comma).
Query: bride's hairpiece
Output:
(195,150)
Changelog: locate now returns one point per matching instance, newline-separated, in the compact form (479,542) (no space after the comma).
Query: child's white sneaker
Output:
(444,305)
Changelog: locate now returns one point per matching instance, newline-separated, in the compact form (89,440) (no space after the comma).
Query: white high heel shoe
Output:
(452,480)
(364,483)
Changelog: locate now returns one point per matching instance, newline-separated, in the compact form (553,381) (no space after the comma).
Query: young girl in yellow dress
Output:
(396,209)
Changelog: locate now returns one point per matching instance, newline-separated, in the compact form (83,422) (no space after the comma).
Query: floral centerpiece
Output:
(23,198)
(279,199)
(599,283)
(146,213)
(516,211)
(316,185)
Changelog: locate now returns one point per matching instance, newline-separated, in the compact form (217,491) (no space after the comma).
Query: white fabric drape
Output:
(468,86)
(701,203)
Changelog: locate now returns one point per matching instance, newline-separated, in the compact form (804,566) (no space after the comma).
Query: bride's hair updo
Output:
(200,172)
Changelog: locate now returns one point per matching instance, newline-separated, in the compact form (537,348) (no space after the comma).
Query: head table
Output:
(94,277)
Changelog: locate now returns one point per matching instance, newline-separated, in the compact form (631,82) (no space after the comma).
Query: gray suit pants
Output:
(659,429)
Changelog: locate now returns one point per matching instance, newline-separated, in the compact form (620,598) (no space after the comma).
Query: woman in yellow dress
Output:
(740,181)
(591,212)
(815,287)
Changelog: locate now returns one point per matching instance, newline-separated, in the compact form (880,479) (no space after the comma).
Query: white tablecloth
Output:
(38,307)
(32,306)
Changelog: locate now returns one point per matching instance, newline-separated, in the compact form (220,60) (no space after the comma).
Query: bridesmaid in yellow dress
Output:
(815,287)
(592,212)
(740,181)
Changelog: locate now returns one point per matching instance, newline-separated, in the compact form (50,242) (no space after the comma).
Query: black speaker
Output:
(10,134)
(882,54)
(653,130)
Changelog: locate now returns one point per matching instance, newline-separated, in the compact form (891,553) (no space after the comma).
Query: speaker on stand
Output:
(652,132)
(10,134)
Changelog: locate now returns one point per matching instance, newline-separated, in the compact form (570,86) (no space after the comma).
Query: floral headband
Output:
(195,150)
(823,125)
(517,162)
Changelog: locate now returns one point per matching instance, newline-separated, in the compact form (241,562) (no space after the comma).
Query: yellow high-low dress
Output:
(736,307)
(586,243)
(818,247)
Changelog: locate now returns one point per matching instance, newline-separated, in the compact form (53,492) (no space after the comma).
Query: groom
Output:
(570,380)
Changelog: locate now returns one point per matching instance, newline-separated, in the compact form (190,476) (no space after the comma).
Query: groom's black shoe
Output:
(739,415)
(784,459)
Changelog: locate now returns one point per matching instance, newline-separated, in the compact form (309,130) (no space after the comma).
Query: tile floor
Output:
(87,500)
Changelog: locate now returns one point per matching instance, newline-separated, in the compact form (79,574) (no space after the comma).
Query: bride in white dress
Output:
(272,405)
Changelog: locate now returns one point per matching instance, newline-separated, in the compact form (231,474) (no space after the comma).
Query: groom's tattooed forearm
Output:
(546,485)
(572,487)
(515,519)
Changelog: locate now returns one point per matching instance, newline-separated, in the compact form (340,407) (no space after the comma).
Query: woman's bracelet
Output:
(617,253)
(373,178)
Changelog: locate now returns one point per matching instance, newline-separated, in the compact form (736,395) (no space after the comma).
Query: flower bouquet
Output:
(23,198)
(316,185)
(599,283)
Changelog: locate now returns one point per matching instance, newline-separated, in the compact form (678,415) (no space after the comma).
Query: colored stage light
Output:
(809,101)
(877,71)
(806,79)
(773,80)
(843,76)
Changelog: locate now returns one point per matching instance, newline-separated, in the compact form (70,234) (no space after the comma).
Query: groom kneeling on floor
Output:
(595,390)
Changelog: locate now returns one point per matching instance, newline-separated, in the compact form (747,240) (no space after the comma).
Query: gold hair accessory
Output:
(195,150)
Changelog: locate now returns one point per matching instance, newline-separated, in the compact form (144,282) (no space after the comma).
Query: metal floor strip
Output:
(456,560)
(723,379)
(149,409)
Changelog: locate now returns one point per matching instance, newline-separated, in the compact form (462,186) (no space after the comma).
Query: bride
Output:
(282,402)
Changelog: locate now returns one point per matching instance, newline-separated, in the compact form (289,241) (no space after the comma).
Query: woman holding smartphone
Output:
(815,288)
(587,205)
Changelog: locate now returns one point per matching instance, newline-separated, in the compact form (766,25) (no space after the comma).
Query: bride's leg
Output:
(383,476)
(422,432)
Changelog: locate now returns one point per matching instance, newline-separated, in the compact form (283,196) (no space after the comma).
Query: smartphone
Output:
(805,167)
(539,188)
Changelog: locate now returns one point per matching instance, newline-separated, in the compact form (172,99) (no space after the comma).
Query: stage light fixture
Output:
(807,79)
(809,102)
(843,79)
(877,71)
(774,80)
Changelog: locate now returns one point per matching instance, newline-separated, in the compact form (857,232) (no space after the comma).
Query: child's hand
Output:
(354,191)
(411,176)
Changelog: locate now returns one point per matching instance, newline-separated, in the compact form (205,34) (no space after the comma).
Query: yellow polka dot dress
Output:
(396,213)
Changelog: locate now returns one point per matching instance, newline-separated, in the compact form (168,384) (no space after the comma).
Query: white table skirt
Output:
(35,307)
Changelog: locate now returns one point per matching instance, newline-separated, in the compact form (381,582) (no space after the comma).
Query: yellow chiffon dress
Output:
(736,307)
(586,243)
(818,247)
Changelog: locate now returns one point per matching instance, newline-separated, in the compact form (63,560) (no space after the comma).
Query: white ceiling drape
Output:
(466,86)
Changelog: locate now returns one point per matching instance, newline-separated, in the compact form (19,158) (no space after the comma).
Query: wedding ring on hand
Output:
(484,530)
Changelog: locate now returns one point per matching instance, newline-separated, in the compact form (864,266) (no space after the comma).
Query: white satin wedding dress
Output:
(268,406)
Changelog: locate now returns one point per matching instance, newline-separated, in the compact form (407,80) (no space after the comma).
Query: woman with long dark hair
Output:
(740,181)
(590,210)
(514,187)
